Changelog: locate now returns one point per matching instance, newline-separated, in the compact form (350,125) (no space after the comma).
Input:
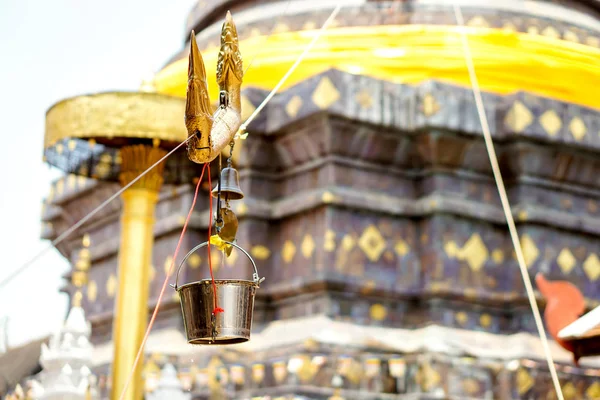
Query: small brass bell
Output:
(230,185)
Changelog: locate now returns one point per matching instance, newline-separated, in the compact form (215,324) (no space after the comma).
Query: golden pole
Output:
(135,255)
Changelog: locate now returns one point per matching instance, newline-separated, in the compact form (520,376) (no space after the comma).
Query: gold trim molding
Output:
(506,61)
(115,117)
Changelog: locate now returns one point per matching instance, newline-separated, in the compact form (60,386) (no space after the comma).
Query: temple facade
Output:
(370,205)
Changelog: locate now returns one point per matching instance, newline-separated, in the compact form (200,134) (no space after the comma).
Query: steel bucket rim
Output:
(256,280)
(244,282)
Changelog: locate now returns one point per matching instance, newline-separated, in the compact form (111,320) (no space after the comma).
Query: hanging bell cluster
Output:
(228,188)
(230,185)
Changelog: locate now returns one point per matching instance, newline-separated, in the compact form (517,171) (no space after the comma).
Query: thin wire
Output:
(505,203)
(333,14)
(269,36)
(77,225)
(217,309)
(164,286)
(168,275)
(83,220)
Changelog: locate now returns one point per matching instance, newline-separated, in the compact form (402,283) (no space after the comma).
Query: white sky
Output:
(49,50)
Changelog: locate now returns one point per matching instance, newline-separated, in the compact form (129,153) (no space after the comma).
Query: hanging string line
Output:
(328,21)
(77,225)
(168,275)
(164,286)
(83,220)
(505,203)
(217,309)
(262,48)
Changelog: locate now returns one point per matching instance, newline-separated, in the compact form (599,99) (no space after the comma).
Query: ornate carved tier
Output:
(523,46)
(372,203)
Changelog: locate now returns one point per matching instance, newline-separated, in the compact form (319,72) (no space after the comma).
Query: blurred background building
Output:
(370,206)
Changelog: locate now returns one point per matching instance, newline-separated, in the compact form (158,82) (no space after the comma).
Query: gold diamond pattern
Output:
(260,252)
(524,381)
(475,253)
(111,285)
(310,25)
(593,391)
(566,261)
(372,243)
(247,108)
(327,197)
(577,128)
(429,378)
(86,241)
(401,248)
(551,122)
(530,250)
(167,264)
(325,94)
(308,246)
(242,209)
(498,256)
(451,248)
(571,36)
(364,99)
(551,32)
(348,243)
(470,386)
(478,21)
(509,27)
(591,267)
(519,117)
(288,251)
(461,317)
(71,145)
(593,41)
(92,291)
(329,244)
(569,391)
(71,181)
(485,320)
(60,186)
(293,106)
(280,28)
(430,105)
(232,258)
(378,312)
(194,261)
(215,260)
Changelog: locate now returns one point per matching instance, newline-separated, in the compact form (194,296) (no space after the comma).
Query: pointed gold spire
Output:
(198,119)
(196,68)
(229,64)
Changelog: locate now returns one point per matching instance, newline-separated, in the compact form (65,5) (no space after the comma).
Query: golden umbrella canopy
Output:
(85,134)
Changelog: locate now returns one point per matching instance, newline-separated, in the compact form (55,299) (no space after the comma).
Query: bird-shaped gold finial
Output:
(198,118)
(230,71)
(208,135)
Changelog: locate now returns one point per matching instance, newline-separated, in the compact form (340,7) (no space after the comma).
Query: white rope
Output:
(83,220)
(328,21)
(140,349)
(72,229)
(505,203)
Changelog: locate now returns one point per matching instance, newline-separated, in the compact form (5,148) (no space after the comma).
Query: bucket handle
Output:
(255,276)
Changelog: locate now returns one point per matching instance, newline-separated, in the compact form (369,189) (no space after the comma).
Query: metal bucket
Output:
(235,296)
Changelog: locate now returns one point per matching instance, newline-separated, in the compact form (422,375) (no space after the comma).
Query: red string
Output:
(164,286)
(217,309)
